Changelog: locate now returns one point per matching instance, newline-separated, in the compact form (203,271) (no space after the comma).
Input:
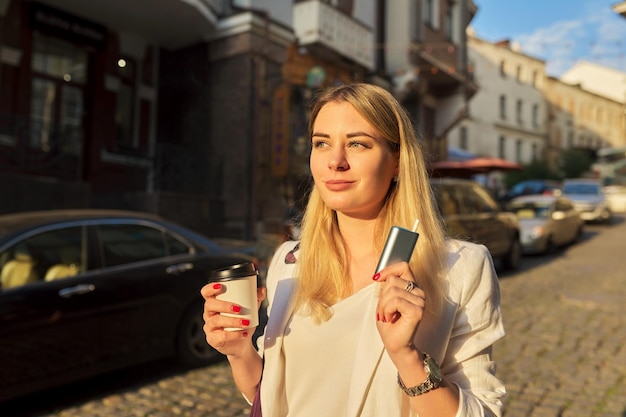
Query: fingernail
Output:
(376,277)
(245,322)
(377,317)
(245,334)
(217,286)
(236,309)
(384,319)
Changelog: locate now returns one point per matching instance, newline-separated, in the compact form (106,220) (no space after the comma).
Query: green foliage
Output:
(537,170)
(575,162)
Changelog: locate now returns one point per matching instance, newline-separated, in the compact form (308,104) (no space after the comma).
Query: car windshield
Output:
(581,189)
(530,210)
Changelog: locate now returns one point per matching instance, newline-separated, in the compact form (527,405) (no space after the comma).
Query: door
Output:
(46,329)
(146,288)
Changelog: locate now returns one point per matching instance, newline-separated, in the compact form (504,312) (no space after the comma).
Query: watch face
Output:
(435,372)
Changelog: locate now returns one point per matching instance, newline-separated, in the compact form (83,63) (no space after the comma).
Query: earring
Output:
(396,178)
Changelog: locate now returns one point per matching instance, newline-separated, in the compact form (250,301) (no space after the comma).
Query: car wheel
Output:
(512,260)
(192,348)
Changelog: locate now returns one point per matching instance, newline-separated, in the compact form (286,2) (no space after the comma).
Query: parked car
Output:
(547,222)
(588,198)
(89,291)
(471,213)
(532,187)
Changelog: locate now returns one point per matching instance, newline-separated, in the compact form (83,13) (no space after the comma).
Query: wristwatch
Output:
(432,380)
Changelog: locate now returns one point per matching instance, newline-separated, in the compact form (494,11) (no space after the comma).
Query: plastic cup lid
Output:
(233,272)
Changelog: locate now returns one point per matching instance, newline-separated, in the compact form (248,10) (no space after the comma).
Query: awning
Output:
(469,167)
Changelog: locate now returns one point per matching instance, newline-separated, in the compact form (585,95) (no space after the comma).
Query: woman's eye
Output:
(357,145)
(319,144)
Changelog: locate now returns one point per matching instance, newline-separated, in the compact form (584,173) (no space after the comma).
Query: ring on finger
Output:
(410,285)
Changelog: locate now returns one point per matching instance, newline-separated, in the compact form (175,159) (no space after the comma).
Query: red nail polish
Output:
(376,277)
(245,322)
(236,309)
(377,317)
(245,334)
(217,286)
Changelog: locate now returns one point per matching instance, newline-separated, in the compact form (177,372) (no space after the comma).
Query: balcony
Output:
(326,29)
(438,62)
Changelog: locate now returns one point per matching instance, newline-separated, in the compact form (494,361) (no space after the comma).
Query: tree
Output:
(575,162)
(537,170)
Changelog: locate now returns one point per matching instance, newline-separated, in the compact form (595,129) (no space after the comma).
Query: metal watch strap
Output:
(422,388)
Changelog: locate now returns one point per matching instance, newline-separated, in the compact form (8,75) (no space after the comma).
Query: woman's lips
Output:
(338,185)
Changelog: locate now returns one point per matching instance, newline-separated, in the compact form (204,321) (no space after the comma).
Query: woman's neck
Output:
(358,234)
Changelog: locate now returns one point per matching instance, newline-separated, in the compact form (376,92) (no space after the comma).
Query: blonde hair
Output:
(323,260)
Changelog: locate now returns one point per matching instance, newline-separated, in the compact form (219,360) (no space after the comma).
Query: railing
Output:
(316,22)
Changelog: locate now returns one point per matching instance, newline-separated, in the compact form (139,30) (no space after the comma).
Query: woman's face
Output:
(352,165)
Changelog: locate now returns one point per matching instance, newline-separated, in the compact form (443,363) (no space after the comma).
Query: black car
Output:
(471,213)
(89,291)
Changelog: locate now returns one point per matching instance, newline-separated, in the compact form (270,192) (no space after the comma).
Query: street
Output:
(563,356)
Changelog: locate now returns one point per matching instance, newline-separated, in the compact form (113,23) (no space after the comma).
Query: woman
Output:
(341,340)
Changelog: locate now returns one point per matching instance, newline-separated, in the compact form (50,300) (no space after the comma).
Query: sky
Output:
(560,32)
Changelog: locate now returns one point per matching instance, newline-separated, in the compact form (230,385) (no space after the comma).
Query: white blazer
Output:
(459,338)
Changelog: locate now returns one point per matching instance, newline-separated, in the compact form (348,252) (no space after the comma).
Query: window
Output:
(428,11)
(431,13)
(503,107)
(501,147)
(126,243)
(56,111)
(46,256)
(450,21)
(535,156)
(518,111)
(502,69)
(463,138)
(125,105)
(476,200)
(519,73)
(518,150)
(535,115)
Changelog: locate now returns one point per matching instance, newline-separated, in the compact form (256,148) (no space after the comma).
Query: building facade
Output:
(197,110)
(424,51)
(508,113)
(581,119)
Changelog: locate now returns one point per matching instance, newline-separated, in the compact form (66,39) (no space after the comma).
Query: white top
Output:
(330,344)
(460,338)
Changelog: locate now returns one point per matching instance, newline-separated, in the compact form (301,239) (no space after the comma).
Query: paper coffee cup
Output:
(239,284)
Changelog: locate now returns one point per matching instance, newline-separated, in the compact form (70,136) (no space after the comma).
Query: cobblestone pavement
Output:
(563,356)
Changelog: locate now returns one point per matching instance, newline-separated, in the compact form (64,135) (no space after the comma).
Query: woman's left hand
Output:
(400,307)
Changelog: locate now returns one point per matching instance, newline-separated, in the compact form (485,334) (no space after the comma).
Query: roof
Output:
(603,81)
(22,220)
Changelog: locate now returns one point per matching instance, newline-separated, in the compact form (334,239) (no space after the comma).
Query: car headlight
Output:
(536,232)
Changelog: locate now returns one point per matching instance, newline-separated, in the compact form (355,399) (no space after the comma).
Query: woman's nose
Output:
(338,161)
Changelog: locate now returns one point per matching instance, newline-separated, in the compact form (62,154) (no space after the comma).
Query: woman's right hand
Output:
(230,343)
